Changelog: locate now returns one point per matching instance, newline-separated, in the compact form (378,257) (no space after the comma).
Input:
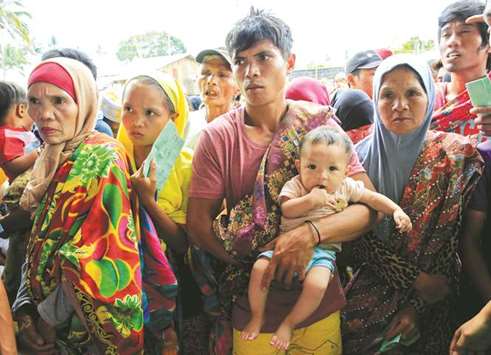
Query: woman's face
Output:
(54,111)
(144,113)
(402,101)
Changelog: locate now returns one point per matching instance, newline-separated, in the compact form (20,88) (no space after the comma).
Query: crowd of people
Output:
(276,218)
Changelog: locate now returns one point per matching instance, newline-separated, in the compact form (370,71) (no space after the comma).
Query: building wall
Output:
(186,71)
(319,73)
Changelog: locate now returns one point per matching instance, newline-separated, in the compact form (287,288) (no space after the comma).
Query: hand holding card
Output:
(164,153)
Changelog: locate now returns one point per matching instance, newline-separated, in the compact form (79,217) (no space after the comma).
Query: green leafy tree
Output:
(416,45)
(14,28)
(14,57)
(151,44)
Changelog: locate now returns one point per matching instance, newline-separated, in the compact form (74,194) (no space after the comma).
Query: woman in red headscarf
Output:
(95,277)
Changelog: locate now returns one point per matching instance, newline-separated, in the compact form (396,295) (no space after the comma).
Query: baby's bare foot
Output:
(282,336)
(252,329)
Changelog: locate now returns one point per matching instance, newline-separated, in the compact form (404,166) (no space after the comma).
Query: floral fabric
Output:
(88,237)
(439,187)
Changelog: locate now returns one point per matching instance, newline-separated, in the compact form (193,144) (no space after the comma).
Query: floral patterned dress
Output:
(88,238)
(386,267)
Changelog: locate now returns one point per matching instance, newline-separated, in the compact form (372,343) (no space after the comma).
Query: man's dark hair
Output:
(72,54)
(460,11)
(10,94)
(257,26)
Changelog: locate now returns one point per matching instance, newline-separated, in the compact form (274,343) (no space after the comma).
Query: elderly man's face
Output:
(261,72)
(216,83)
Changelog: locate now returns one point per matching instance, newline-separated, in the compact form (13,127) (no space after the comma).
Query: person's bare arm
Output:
(7,336)
(385,205)
(172,233)
(473,262)
(351,223)
(473,336)
(200,216)
(300,206)
(19,165)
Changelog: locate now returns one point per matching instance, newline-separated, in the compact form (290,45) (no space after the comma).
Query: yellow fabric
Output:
(3,177)
(323,337)
(173,197)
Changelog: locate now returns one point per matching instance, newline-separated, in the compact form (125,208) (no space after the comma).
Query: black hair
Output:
(460,11)
(147,80)
(72,54)
(257,26)
(10,94)
(328,136)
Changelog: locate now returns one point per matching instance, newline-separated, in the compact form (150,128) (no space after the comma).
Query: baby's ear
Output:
(297,165)
(21,110)
(173,116)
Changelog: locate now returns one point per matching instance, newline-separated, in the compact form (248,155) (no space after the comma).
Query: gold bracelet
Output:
(314,227)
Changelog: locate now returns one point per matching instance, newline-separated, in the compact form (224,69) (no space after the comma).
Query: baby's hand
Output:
(403,222)
(320,198)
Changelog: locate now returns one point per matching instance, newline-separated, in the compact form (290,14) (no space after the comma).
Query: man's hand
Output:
(473,337)
(292,252)
(484,17)
(483,119)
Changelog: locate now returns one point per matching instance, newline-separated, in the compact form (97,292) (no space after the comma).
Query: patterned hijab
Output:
(174,92)
(53,155)
(389,158)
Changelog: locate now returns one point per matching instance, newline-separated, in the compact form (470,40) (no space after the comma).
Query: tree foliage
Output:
(416,45)
(151,44)
(14,28)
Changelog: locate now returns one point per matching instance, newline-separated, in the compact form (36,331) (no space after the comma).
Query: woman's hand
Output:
(404,323)
(473,337)
(30,338)
(431,288)
(145,186)
(292,252)
(483,118)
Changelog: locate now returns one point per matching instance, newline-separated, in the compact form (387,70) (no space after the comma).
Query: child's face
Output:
(323,166)
(144,113)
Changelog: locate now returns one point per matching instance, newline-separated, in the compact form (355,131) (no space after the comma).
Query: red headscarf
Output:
(308,89)
(53,73)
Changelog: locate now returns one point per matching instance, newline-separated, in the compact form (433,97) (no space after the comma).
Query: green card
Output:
(164,153)
(480,91)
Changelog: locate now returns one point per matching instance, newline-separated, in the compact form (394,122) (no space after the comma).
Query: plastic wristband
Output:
(314,227)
